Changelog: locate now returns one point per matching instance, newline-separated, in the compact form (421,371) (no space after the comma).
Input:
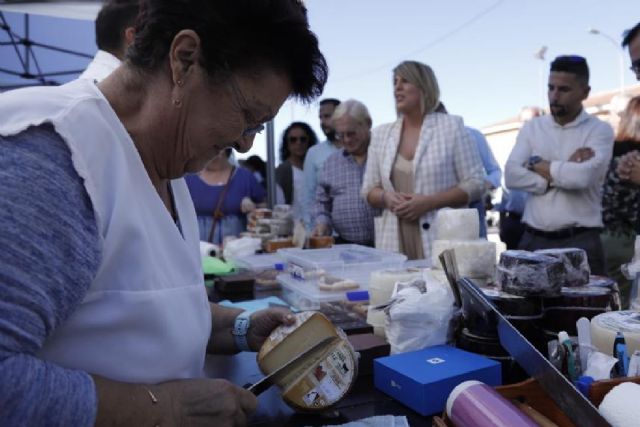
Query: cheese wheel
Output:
(575,263)
(530,274)
(474,258)
(605,326)
(322,378)
(457,224)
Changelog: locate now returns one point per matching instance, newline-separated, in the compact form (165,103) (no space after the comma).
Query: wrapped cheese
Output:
(475,258)
(530,274)
(380,289)
(575,263)
(324,377)
(457,224)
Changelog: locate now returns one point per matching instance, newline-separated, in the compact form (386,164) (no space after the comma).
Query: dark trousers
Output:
(511,229)
(588,240)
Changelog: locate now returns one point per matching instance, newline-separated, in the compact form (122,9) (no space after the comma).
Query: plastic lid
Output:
(358,296)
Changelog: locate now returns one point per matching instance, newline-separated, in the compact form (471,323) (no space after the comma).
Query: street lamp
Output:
(620,50)
(541,86)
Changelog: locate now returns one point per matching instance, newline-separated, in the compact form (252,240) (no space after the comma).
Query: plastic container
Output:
(305,294)
(354,262)
(258,262)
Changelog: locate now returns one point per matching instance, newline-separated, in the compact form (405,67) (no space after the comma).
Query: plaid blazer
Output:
(446,156)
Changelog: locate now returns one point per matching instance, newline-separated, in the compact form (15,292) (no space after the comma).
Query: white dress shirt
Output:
(102,64)
(574,197)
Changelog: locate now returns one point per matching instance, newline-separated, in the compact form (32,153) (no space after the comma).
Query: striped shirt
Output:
(338,202)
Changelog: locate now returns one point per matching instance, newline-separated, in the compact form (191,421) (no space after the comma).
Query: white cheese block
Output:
(324,377)
(457,224)
(380,289)
(475,258)
(605,326)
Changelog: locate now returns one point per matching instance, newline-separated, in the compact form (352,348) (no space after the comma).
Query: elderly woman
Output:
(418,164)
(297,138)
(103,313)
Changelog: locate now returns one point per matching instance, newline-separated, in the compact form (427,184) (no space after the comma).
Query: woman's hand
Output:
(247,205)
(392,200)
(320,230)
(205,402)
(629,167)
(413,206)
(263,322)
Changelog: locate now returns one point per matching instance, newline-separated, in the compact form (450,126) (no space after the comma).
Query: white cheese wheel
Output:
(605,326)
(475,258)
(324,377)
(457,224)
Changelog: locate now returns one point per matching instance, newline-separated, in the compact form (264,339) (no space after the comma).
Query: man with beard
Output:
(317,155)
(632,41)
(561,160)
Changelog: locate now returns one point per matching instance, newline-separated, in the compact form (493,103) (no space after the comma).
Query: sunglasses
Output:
(635,66)
(301,139)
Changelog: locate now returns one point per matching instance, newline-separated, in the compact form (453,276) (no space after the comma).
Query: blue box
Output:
(423,379)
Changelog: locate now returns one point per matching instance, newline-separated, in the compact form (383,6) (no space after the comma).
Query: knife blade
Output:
(580,410)
(299,360)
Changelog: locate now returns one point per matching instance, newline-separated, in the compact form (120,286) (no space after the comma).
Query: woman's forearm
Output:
(454,197)
(126,404)
(221,340)
(375,198)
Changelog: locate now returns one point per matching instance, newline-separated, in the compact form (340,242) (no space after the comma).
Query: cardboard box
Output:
(423,379)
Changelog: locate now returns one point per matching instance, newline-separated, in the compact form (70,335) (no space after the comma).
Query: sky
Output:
(482,51)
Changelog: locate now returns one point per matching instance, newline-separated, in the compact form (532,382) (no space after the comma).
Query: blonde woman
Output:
(420,163)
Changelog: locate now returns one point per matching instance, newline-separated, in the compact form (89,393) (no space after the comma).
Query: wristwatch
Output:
(533,160)
(240,328)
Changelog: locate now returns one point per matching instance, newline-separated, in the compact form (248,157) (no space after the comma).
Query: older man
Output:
(561,160)
(338,204)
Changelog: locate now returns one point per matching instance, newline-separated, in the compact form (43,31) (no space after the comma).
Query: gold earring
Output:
(177,103)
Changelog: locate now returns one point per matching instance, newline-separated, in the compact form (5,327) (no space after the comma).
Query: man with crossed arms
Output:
(561,159)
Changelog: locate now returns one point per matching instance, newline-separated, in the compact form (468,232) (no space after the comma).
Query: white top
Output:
(574,198)
(102,64)
(298,193)
(145,317)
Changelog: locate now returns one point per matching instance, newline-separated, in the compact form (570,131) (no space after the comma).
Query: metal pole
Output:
(271,166)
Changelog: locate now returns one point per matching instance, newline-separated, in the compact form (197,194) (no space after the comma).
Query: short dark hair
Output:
(332,101)
(629,35)
(235,35)
(573,64)
(284,149)
(112,21)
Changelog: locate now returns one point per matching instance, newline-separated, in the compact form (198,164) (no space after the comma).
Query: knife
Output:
(580,410)
(300,360)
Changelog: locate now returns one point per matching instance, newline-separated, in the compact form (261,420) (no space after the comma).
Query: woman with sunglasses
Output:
(104,318)
(297,138)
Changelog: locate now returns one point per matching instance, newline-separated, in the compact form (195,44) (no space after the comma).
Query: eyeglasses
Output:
(635,66)
(301,139)
(348,134)
(244,106)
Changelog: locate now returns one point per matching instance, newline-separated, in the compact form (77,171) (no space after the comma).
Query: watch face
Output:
(533,160)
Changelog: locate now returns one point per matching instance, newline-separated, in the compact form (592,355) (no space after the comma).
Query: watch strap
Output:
(240,328)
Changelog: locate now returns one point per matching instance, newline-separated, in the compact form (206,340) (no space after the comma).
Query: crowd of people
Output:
(101,274)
